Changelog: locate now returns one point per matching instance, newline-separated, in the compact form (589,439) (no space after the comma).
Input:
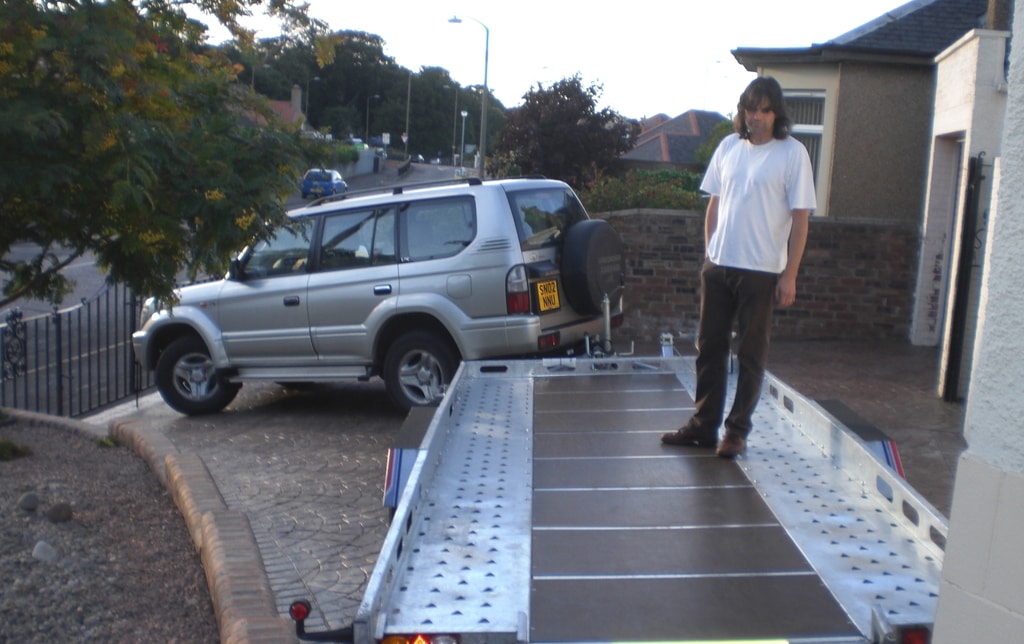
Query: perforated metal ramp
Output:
(633,540)
(542,507)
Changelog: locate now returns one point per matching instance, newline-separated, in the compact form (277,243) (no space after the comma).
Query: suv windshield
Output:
(543,215)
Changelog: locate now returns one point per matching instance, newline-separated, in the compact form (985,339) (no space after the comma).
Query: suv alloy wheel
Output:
(418,367)
(188,381)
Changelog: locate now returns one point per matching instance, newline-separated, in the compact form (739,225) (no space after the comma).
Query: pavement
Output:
(282,491)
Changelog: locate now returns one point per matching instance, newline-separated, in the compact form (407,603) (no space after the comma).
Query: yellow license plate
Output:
(547,296)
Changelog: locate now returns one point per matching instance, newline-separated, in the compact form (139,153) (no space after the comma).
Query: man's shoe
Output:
(731,445)
(688,437)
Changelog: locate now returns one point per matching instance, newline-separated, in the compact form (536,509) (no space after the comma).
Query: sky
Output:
(650,57)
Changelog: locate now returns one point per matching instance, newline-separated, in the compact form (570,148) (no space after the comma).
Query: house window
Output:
(807,112)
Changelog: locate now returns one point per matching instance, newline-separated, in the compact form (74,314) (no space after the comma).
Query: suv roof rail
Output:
(470,181)
(397,189)
(400,189)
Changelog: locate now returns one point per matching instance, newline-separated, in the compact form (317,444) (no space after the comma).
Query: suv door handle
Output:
(291,300)
(382,289)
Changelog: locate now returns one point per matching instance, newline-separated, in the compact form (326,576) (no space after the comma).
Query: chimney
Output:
(297,99)
(999,15)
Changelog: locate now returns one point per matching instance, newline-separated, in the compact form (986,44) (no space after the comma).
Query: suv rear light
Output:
(517,290)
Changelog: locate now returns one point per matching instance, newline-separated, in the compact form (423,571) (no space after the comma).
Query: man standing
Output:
(755,229)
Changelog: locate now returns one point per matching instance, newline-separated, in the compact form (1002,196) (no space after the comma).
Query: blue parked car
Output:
(320,182)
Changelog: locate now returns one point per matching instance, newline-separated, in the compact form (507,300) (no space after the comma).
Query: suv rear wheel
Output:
(417,368)
(188,381)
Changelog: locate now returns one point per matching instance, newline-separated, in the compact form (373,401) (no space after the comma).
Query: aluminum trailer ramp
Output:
(544,508)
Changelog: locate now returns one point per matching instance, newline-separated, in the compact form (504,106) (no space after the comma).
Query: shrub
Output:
(665,189)
(10,451)
(329,154)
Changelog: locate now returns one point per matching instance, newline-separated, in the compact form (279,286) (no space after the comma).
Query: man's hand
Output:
(785,291)
(785,288)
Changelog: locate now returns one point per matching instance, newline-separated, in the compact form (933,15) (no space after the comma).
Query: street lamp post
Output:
(308,79)
(483,99)
(408,101)
(455,121)
(366,136)
(462,152)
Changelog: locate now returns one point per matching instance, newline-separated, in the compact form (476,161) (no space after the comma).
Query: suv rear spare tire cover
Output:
(593,264)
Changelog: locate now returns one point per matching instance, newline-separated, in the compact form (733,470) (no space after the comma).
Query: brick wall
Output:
(856,281)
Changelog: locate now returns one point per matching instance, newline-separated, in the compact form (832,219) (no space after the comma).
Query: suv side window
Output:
(359,238)
(286,252)
(438,228)
(543,215)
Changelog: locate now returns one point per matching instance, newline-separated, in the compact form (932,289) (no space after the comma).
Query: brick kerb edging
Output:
(239,589)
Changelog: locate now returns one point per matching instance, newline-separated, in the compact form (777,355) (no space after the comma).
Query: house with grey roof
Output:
(862,104)
(666,143)
(903,117)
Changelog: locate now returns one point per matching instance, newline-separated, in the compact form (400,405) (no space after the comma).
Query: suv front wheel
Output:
(188,381)
(417,368)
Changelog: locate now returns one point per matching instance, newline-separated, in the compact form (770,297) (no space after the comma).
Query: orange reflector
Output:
(420,639)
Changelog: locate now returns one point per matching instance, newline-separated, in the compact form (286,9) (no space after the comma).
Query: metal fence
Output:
(72,361)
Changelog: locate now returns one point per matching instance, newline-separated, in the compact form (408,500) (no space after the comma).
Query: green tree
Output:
(363,92)
(126,137)
(704,151)
(360,77)
(560,133)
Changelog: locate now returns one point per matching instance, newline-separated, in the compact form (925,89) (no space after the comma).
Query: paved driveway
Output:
(304,467)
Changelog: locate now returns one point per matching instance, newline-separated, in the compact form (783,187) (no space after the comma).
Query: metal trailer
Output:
(542,507)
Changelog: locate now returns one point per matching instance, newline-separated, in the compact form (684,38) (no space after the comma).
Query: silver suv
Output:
(401,284)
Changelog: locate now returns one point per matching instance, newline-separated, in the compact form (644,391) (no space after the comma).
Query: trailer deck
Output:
(542,507)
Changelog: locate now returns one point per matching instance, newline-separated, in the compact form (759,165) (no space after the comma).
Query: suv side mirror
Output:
(236,271)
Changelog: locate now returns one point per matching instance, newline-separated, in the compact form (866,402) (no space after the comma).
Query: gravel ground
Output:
(122,569)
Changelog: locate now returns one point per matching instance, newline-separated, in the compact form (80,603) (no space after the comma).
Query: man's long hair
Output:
(757,91)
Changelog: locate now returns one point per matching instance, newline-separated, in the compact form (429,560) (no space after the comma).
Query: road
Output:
(89,281)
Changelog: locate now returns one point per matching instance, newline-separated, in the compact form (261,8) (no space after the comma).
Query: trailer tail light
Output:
(517,291)
(912,632)
(421,638)
(300,610)
(918,635)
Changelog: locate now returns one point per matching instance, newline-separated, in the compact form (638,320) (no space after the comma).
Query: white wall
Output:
(970,102)
(982,593)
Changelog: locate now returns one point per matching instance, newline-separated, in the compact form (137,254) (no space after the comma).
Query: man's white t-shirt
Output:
(758,187)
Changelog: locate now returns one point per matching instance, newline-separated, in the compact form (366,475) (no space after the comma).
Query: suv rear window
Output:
(543,215)
(436,228)
(358,238)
